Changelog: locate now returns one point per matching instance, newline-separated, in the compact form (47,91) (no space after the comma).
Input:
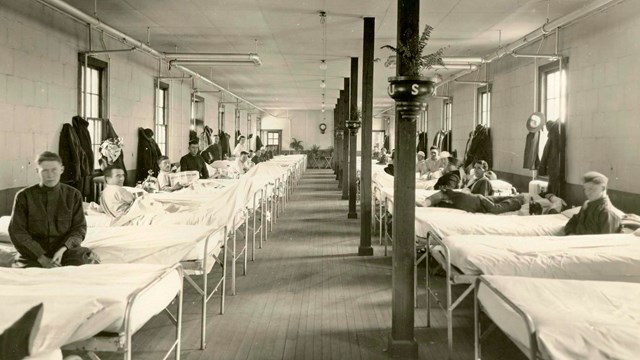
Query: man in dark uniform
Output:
(194,162)
(597,215)
(47,222)
(213,152)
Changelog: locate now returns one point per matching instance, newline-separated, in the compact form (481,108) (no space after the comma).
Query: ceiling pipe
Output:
(83,17)
(463,59)
(453,67)
(536,56)
(577,15)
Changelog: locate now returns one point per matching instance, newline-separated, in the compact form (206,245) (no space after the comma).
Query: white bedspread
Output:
(610,257)
(81,301)
(572,319)
(167,244)
(444,224)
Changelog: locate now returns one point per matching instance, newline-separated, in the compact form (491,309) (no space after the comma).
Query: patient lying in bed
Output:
(474,203)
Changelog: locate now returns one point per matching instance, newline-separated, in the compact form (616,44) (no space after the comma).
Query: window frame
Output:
(161,128)
(541,105)
(97,124)
(480,110)
(197,111)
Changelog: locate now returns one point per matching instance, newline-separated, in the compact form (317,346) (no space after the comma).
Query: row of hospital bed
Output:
(555,296)
(146,255)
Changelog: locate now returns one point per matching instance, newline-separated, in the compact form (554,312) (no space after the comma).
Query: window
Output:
(93,99)
(484,106)
(552,96)
(197,111)
(446,115)
(162,116)
(273,138)
(552,90)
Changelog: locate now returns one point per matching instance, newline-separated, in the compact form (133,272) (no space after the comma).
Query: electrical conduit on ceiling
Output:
(583,12)
(81,16)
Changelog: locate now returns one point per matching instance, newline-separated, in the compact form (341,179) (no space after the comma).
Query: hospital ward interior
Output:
(319,179)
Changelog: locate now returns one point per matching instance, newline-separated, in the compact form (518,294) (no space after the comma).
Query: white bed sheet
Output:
(573,319)
(443,224)
(81,301)
(609,257)
(164,245)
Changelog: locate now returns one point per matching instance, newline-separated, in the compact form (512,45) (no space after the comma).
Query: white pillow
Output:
(4,229)
(501,185)
(570,212)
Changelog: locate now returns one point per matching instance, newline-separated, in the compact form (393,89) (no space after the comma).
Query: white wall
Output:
(603,78)
(302,125)
(39,90)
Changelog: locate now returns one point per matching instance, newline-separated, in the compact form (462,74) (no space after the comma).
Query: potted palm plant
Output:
(411,90)
(296,145)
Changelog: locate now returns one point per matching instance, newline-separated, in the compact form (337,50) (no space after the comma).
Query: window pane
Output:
(94,106)
(95,81)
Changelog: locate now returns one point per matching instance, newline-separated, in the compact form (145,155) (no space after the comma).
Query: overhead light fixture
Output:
(213,59)
(323,62)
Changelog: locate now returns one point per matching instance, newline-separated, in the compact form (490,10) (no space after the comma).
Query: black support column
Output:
(402,342)
(339,147)
(368,43)
(345,142)
(353,134)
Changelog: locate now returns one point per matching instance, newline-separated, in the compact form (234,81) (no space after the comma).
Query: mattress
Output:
(609,257)
(443,224)
(166,244)
(81,301)
(573,319)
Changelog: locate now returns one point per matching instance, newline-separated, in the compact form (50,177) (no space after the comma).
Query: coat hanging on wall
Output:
(552,162)
(148,154)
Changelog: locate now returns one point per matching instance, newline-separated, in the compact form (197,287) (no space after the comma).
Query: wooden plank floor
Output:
(309,296)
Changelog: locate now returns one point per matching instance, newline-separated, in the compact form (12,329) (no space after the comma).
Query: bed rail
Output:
(526,319)
(240,218)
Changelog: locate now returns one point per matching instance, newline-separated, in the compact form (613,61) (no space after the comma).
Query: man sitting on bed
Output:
(596,215)
(164,181)
(47,222)
(480,183)
(451,176)
(115,199)
(193,161)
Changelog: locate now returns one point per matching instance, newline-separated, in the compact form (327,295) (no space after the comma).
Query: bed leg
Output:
(203,319)
(178,348)
(428,284)
(233,265)
(253,237)
(449,316)
(476,323)
(224,274)
(127,351)
(246,243)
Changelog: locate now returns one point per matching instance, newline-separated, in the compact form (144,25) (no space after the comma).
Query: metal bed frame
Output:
(121,342)
(200,267)
(479,336)
(240,218)
(453,277)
